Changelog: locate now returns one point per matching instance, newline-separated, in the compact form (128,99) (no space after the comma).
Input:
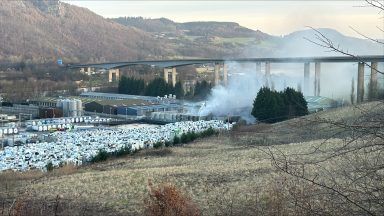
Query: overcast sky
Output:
(273,17)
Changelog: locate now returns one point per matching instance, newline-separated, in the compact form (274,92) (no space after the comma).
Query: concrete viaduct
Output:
(171,65)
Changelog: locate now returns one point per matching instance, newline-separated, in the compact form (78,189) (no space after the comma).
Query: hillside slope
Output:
(232,172)
(44,33)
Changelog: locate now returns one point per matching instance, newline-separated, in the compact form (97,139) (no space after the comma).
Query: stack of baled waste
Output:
(77,147)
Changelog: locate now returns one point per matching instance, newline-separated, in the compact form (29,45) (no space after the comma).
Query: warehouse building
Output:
(111,106)
(147,109)
(16,109)
(111,96)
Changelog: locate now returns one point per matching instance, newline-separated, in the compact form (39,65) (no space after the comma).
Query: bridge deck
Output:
(183,62)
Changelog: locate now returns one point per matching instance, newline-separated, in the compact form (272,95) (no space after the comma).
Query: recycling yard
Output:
(79,146)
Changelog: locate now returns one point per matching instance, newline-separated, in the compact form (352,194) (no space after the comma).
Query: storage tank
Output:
(79,107)
(72,108)
(59,104)
(77,120)
(40,128)
(15,130)
(65,106)
(10,130)
(45,128)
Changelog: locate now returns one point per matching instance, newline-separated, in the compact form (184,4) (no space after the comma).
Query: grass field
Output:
(230,174)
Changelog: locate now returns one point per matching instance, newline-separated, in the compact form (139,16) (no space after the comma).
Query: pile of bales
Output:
(78,147)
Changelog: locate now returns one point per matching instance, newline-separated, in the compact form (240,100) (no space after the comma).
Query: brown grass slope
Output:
(231,174)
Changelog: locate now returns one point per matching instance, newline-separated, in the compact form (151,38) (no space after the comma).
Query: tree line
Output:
(158,87)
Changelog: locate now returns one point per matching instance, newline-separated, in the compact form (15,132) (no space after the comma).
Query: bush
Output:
(176,140)
(168,144)
(167,199)
(184,138)
(102,155)
(49,166)
(158,145)
(209,132)
(123,151)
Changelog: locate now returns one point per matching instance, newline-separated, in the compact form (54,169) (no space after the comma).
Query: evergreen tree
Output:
(272,106)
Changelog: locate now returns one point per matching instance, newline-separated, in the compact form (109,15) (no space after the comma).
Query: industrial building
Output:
(146,110)
(111,96)
(50,112)
(111,106)
(17,109)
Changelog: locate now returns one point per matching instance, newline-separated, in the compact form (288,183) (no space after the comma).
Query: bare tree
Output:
(344,170)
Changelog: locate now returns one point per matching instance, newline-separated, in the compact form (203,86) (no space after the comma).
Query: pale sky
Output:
(272,17)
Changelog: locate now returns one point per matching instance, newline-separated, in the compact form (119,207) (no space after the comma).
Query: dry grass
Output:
(230,174)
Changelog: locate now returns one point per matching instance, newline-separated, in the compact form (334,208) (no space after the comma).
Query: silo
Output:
(65,104)
(59,104)
(72,108)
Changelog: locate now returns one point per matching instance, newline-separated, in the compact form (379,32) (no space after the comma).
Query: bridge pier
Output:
(268,74)
(225,74)
(306,78)
(360,82)
(174,76)
(317,78)
(258,67)
(166,75)
(173,73)
(217,76)
(113,75)
(373,81)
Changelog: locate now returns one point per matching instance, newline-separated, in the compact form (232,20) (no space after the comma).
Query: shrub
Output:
(209,132)
(176,140)
(168,144)
(184,138)
(158,145)
(102,155)
(167,199)
(49,166)
(123,151)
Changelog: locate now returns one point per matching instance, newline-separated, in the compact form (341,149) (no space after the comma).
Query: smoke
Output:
(243,84)
(335,78)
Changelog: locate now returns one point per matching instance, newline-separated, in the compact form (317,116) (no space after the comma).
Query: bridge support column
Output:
(360,82)
(373,81)
(317,78)
(174,76)
(217,76)
(166,75)
(113,75)
(225,74)
(268,74)
(258,67)
(306,78)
